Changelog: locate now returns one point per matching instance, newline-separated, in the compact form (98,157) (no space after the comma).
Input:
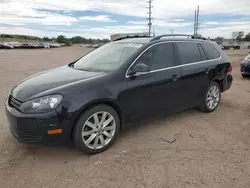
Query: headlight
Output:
(41,105)
(246,61)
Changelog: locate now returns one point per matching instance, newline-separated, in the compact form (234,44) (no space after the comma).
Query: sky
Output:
(102,18)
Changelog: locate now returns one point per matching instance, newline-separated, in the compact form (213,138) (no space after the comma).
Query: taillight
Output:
(229,69)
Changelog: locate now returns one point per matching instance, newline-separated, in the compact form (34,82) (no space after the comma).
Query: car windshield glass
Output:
(107,58)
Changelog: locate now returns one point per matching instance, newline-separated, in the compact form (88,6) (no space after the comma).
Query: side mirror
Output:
(139,69)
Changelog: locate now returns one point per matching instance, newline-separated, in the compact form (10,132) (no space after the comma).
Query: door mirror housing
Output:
(139,69)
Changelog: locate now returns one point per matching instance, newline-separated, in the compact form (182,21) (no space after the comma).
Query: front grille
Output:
(14,103)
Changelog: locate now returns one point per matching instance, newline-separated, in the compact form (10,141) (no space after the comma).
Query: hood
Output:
(50,80)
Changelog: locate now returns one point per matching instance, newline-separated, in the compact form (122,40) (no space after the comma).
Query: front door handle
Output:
(175,77)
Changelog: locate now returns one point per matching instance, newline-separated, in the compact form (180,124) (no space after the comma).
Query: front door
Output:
(157,92)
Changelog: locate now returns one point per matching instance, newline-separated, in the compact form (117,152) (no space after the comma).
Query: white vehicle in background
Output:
(95,45)
(46,45)
(8,45)
(221,46)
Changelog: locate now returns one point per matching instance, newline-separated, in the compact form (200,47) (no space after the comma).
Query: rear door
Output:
(194,72)
(157,92)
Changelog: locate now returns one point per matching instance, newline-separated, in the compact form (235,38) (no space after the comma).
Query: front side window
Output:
(158,57)
(107,58)
(189,52)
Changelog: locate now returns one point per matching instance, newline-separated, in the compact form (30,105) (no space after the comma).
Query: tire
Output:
(205,105)
(87,131)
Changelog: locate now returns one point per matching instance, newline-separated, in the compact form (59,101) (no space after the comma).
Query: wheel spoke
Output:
(90,139)
(209,98)
(107,134)
(86,133)
(216,92)
(96,142)
(108,121)
(214,104)
(214,89)
(109,128)
(91,125)
(104,115)
(102,140)
(96,119)
(210,103)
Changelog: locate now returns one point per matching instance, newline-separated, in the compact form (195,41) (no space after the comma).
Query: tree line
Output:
(79,40)
(238,38)
(59,39)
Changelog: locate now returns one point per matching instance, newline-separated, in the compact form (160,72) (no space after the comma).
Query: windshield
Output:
(107,58)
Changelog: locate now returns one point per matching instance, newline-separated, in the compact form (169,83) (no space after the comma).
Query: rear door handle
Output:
(175,77)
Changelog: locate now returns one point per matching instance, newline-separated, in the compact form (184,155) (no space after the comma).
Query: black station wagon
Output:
(91,99)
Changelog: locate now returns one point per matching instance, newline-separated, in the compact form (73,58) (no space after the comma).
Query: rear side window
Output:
(189,52)
(158,57)
(203,55)
(211,51)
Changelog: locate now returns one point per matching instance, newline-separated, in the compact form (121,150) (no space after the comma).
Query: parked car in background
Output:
(245,66)
(89,100)
(6,45)
(95,45)
(221,46)
(30,45)
(236,46)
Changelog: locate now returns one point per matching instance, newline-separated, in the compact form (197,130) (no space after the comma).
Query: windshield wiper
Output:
(72,65)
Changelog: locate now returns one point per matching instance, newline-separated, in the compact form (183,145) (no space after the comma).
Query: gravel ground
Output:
(211,150)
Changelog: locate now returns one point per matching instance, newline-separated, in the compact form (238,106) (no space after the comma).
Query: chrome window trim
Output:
(173,67)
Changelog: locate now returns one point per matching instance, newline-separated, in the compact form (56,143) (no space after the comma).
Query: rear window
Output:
(211,51)
(189,52)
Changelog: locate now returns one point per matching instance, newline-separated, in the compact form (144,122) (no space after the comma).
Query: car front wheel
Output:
(212,98)
(97,129)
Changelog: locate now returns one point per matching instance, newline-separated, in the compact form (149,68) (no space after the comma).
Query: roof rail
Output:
(129,37)
(179,35)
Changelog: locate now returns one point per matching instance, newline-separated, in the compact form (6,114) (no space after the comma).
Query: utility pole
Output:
(197,25)
(171,31)
(149,16)
(195,22)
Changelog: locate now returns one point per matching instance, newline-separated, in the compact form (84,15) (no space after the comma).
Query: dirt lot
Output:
(211,150)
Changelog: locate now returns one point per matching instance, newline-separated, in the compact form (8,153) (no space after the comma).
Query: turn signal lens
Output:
(55,131)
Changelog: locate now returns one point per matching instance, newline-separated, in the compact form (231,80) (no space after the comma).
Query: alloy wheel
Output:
(213,97)
(98,130)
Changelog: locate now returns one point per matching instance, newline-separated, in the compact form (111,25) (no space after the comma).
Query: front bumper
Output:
(33,128)
(245,69)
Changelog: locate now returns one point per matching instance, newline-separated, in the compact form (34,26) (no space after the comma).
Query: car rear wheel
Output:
(211,98)
(97,129)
